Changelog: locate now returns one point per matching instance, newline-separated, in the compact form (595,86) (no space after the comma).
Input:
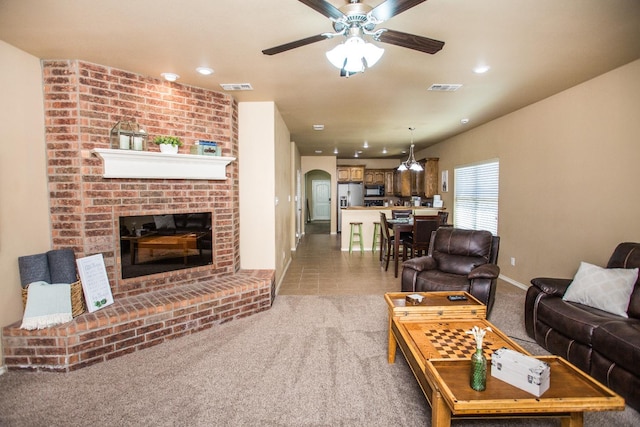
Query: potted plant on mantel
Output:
(168,144)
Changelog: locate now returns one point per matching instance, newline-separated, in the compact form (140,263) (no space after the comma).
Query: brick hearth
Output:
(83,101)
(137,322)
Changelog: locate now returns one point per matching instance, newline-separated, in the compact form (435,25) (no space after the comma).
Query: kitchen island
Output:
(367,216)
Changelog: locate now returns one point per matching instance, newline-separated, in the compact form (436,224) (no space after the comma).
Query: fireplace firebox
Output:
(151,244)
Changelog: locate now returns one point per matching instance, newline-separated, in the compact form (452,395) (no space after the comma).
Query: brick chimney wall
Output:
(83,101)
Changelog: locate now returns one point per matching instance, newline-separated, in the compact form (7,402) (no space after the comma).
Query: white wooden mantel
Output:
(152,165)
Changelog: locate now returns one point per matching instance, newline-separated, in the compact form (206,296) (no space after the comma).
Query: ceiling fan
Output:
(355,20)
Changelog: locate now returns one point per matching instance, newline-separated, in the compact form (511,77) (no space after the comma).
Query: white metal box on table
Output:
(522,371)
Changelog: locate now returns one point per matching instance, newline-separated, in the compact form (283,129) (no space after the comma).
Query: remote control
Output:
(457,298)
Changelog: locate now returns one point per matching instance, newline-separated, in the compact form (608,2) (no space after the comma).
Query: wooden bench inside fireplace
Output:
(137,322)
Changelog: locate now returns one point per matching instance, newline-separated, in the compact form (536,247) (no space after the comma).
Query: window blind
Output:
(476,196)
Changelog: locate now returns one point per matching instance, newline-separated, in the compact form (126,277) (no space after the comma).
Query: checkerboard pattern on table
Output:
(451,341)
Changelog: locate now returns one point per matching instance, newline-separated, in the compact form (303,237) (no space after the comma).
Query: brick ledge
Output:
(137,322)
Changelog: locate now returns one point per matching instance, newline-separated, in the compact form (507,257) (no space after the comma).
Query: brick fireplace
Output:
(83,101)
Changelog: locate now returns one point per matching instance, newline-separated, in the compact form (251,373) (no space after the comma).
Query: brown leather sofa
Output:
(457,260)
(604,345)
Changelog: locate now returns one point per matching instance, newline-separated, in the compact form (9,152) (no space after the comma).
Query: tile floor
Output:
(319,267)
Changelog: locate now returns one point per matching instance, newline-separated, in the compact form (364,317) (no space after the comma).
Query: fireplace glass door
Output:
(154,244)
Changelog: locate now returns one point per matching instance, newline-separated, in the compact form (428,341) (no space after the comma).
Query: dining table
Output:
(399,225)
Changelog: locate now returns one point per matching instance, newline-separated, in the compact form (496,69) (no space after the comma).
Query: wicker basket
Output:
(77,298)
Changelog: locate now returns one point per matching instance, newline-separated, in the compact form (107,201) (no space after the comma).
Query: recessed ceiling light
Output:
(464,121)
(384,151)
(205,71)
(355,155)
(366,144)
(335,151)
(318,127)
(170,77)
(318,151)
(481,69)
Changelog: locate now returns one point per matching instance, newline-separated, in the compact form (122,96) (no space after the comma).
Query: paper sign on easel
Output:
(95,283)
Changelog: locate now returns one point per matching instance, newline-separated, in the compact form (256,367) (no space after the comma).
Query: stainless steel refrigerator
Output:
(350,194)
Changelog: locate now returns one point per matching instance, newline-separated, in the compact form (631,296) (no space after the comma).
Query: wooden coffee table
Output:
(434,306)
(437,349)
(571,393)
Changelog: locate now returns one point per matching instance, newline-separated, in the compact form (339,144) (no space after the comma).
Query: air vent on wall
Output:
(236,86)
(439,87)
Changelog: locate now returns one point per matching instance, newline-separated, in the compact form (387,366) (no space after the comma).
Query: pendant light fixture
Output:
(411,163)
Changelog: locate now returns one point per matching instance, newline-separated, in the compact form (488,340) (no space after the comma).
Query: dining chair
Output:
(400,214)
(387,252)
(444,217)
(418,242)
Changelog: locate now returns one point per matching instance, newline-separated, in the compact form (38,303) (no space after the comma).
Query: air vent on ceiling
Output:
(236,86)
(439,87)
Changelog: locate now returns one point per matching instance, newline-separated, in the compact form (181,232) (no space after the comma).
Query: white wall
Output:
(569,175)
(256,159)
(24,211)
(284,195)
(266,190)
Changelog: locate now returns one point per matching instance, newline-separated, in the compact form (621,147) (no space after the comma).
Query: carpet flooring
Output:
(308,361)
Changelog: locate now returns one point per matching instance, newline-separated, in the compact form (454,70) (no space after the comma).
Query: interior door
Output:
(321,196)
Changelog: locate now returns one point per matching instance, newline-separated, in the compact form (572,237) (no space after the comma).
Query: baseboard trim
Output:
(513,282)
(284,273)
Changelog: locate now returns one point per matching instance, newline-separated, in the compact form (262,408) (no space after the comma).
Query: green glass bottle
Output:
(478,379)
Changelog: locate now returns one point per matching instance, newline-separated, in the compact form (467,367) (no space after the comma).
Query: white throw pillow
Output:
(608,289)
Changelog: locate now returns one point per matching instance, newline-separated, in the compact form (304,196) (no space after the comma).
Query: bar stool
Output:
(354,233)
(376,234)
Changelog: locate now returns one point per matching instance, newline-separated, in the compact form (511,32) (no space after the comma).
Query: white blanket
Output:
(47,305)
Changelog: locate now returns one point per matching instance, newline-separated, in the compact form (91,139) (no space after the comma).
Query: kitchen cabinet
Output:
(389,182)
(403,183)
(410,183)
(374,176)
(350,173)
(343,174)
(417,182)
(431,176)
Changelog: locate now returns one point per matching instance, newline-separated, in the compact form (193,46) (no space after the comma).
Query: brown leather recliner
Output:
(604,345)
(458,260)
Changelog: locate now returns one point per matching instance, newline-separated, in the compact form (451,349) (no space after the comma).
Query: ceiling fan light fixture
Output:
(354,55)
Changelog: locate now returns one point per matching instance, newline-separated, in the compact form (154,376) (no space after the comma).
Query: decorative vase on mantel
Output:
(168,144)
(478,374)
(168,148)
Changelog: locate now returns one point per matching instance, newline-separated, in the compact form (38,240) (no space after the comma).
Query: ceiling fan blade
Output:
(293,45)
(325,8)
(411,41)
(391,8)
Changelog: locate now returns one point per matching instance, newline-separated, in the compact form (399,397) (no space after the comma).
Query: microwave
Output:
(374,190)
